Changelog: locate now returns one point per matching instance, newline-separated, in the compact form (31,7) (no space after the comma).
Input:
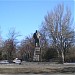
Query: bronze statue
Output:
(36,36)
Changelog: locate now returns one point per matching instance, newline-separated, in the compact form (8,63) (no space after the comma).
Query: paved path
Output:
(38,74)
(37,65)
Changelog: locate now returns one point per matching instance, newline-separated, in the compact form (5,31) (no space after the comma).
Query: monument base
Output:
(37,53)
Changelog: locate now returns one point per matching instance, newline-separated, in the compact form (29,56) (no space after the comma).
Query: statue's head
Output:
(36,31)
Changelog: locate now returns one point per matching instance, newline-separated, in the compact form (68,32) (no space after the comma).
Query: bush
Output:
(0,55)
(50,54)
(70,59)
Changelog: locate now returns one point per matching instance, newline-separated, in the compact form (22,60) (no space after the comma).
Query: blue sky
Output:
(26,16)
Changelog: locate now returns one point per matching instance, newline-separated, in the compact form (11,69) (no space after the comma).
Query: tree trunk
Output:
(62,57)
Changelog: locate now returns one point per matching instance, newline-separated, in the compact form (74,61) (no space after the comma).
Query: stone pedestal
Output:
(37,53)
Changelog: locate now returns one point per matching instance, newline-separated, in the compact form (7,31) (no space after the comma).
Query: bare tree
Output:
(11,44)
(43,43)
(57,26)
(1,46)
(26,49)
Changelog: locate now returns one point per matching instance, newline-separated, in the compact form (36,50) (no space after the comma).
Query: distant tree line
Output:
(57,39)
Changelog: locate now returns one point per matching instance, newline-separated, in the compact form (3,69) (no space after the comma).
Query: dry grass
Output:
(36,68)
(27,70)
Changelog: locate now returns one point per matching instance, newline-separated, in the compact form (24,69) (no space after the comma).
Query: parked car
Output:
(17,61)
(4,62)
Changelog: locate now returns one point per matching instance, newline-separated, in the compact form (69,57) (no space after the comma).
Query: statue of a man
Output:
(36,36)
